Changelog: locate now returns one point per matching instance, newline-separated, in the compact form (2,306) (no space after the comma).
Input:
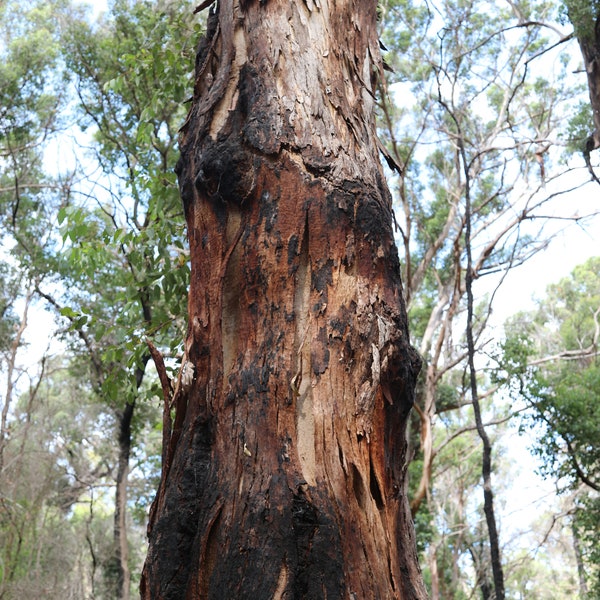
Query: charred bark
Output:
(285,472)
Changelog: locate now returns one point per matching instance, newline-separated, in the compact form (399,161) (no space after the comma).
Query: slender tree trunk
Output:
(432,346)
(121,545)
(433,572)
(10,377)
(285,473)
(120,537)
(583,587)
(486,460)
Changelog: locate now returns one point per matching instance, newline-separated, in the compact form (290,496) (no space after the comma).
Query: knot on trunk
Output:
(225,173)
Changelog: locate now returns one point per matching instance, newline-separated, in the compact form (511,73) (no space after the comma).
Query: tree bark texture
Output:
(590,50)
(285,471)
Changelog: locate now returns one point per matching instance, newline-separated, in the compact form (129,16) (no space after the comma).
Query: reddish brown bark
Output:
(286,468)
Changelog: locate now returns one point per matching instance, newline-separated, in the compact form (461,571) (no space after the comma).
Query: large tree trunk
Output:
(285,471)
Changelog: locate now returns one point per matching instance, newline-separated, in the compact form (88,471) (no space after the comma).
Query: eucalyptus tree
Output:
(285,470)
(30,101)
(54,487)
(31,97)
(466,118)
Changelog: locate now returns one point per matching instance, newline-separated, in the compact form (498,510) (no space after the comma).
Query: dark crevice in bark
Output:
(374,487)
(358,486)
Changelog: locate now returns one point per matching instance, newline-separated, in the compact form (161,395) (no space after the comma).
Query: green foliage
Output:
(472,109)
(132,70)
(583,14)
(57,454)
(552,355)
(563,388)
(56,505)
(568,410)
(122,260)
(32,84)
(580,127)
(102,239)
(547,578)
(28,75)
(571,306)
(9,291)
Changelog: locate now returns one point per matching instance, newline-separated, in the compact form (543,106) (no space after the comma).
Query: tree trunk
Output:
(120,531)
(121,544)
(583,587)
(433,572)
(285,473)
(589,42)
(586,21)
(486,459)
(11,366)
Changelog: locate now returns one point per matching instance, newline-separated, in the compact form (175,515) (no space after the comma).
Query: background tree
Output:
(481,130)
(121,193)
(130,72)
(57,466)
(552,354)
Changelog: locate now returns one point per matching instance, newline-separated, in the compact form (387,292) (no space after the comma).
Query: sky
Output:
(571,247)
(97,5)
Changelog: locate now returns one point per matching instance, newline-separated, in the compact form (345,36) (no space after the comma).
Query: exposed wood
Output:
(287,459)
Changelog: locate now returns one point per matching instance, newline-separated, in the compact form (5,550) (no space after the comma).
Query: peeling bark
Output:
(285,472)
